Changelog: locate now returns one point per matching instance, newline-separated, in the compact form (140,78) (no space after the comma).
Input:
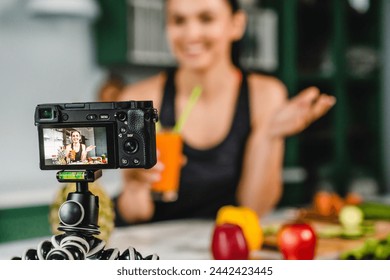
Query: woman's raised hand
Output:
(300,111)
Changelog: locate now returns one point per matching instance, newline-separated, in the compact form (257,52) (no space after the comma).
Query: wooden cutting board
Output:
(327,248)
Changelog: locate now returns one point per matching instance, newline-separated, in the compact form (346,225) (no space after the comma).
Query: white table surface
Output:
(184,239)
(171,240)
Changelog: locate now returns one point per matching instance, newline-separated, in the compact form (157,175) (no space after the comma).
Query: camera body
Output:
(96,135)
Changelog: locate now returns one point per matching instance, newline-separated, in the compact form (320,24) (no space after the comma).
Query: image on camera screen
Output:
(75,146)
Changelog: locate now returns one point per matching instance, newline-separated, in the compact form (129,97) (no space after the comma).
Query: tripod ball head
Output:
(71,213)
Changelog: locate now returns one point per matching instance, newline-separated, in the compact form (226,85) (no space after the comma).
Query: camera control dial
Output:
(130,146)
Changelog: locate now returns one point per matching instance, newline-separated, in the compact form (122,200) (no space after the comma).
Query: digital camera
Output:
(96,135)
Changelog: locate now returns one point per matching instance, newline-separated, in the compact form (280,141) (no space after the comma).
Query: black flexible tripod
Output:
(78,220)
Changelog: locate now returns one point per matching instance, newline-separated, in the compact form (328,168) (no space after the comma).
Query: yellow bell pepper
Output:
(247,219)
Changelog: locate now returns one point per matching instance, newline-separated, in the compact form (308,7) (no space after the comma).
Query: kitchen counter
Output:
(180,239)
(185,239)
(191,240)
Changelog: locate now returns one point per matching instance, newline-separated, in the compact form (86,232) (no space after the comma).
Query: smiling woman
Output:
(234,136)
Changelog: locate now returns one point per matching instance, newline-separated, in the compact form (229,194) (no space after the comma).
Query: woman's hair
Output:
(73,131)
(236,46)
(234,4)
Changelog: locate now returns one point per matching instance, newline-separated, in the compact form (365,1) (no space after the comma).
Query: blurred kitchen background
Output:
(65,50)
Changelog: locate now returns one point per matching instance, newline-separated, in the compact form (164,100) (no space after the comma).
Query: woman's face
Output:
(75,137)
(200,32)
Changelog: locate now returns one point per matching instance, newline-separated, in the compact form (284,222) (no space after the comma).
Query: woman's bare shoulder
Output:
(148,89)
(267,94)
(267,87)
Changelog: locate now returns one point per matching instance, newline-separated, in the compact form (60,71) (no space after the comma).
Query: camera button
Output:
(91,117)
(136,161)
(65,117)
(125,161)
(104,116)
(123,130)
(121,116)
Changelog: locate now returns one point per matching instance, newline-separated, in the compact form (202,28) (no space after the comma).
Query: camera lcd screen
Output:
(75,147)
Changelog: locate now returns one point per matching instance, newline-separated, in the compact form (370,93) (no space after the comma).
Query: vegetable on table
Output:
(247,219)
(351,216)
(297,241)
(228,243)
(329,203)
(372,249)
(375,210)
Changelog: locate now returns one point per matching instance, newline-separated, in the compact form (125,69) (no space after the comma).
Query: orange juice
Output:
(72,155)
(170,147)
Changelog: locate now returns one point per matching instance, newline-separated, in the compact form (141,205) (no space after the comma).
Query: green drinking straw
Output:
(158,126)
(195,94)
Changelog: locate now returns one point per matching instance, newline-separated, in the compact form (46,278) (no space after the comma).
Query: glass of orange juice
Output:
(170,147)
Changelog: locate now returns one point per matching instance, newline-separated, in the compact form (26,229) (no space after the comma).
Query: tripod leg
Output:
(110,254)
(132,254)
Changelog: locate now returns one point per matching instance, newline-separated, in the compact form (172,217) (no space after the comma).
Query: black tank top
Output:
(210,177)
(78,154)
